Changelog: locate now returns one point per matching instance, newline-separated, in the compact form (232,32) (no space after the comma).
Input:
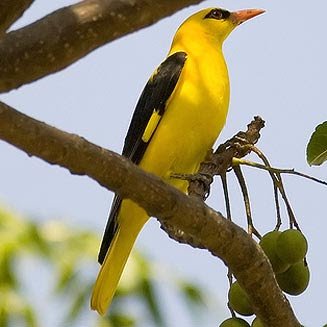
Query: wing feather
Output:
(146,118)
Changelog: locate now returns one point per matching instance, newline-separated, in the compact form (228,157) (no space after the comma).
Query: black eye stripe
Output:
(218,14)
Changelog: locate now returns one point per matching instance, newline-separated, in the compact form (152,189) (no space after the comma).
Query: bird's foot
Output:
(199,183)
(200,177)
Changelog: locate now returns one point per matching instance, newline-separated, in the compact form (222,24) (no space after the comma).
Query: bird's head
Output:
(215,23)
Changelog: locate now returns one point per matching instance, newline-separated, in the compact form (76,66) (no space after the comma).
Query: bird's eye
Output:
(218,14)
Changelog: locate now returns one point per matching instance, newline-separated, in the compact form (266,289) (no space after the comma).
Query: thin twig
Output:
(277,178)
(276,181)
(277,206)
(280,185)
(226,196)
(246,199)
(275,170)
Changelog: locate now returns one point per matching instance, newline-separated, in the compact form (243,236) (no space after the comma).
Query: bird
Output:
(176,121)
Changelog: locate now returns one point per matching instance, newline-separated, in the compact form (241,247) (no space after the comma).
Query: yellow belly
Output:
(193,119)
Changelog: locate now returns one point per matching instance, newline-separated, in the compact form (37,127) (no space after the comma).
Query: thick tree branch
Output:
(70,33)
(189,214)
(10,11)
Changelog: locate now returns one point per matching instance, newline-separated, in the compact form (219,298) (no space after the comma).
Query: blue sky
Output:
(277,70)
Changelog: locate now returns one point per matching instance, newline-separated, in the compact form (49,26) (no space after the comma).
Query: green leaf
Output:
(122,320)
(7,273)
(79,301)
(192,293)
(4,318)
(68,251)
(152,301)
(66,278)
(35,240)
(30,317)
(317,146)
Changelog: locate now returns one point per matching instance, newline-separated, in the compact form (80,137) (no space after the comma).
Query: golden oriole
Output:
(177,119)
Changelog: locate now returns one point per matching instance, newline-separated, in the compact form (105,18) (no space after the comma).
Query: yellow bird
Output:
(178,117)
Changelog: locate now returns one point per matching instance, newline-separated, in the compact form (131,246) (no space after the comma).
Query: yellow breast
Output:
(193,119)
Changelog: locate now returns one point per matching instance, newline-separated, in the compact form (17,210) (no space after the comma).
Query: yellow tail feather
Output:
(131,220)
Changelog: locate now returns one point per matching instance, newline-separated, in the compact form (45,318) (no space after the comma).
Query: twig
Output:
(277,170)
(277,206)
(226,196)
(220,162)
(277,179)
(246,199)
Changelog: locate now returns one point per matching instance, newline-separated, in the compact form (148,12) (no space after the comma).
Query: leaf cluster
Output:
(68,252)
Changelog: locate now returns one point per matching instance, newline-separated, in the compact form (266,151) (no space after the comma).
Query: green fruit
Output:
(295,280)
(268,245)
(256,323)
(234,322)
(239,300)
(291,246)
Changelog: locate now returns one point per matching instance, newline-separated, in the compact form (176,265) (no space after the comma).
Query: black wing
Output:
(149,109)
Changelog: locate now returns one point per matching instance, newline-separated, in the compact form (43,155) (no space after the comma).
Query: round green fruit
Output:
(268,245)
(291,246)
(256,323)
(234,322)
(239,300)
(295,280)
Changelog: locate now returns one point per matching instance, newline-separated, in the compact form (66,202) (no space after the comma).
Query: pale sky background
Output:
(277,65)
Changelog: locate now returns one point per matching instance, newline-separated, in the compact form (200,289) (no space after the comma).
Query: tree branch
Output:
(220,236)
(10,11)
(70,33)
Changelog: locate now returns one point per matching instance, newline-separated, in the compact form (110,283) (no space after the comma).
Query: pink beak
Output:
(239,17)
